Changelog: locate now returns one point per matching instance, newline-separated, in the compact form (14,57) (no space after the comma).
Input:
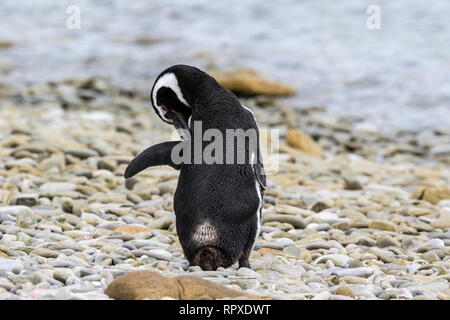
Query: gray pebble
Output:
(276,243)
(431,245)
(10,265)
(56,187)
(16,288)
(21,213)
(408,243)
(6,217)
(430,286)
(268,229)
(270,199)
(364,293)
(246,283)
(292,250)
(72,280)
(295,221)
(398,283)
(295,271)
(338,259)
(84,288)
(386,295)
(131,220)
(314,245)
(85,272)
(272,276)
(116,272)
(134,198)
(93,277)
(82,153)
(83,173)
(247,273)
(129,246)
(6,284)
(37,278)
(431,256)
(62,263)
(356,272)
(314,278)
(416,293)
(323,227)
(366,242)
(62,275)
(147,203)
(440,235)
(159,254)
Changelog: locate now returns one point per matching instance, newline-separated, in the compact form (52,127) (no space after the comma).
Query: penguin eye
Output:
(168,100)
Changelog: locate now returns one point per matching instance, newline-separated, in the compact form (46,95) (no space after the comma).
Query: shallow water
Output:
(396,77)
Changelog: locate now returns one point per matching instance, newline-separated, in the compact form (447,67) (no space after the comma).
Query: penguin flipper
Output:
(157,155)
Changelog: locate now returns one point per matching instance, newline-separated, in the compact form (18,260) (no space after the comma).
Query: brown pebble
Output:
(345,291)
(352,185)
(145,284)
(319,206)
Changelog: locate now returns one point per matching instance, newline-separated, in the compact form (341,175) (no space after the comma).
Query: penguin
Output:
(217,205)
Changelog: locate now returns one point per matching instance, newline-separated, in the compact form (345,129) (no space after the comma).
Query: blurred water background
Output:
(398,77)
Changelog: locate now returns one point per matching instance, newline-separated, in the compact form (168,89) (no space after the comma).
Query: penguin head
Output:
(172,95)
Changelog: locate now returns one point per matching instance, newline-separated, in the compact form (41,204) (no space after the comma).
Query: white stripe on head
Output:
(168,80)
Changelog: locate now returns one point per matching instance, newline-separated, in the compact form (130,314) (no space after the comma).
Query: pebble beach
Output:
(357,205)
(353,212)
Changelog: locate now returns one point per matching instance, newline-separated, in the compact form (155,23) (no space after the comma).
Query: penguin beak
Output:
(180,123)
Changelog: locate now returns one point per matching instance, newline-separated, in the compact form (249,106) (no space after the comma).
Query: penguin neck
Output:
(211,101)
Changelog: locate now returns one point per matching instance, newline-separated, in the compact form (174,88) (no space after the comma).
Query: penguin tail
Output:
(210,258)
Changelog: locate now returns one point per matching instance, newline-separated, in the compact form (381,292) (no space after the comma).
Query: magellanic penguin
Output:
(217,205)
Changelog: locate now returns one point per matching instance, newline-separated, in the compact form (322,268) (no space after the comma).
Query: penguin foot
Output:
(244,264)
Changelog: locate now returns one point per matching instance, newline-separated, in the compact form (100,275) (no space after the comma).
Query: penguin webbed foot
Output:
(244,264)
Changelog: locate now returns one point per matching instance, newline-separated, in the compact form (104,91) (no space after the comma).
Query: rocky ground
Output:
(352,213)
